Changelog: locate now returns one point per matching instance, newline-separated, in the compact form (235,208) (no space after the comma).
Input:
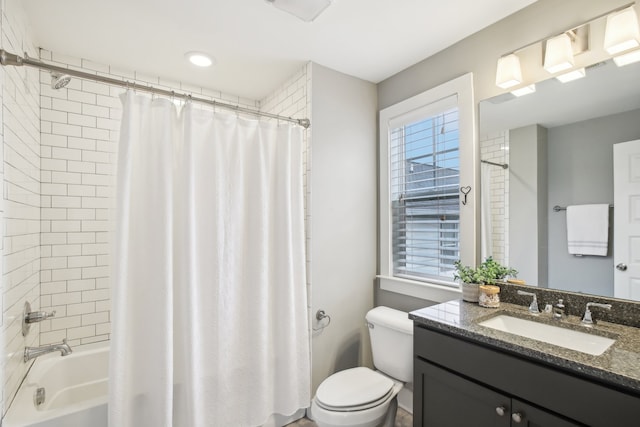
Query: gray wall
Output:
(528,203)
(399,301)
(343,217)
(580,172)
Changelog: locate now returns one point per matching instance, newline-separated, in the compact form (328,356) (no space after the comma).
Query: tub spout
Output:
(33,352)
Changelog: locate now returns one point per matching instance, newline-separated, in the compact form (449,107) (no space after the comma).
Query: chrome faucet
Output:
(587,319)
(533,308)
(33,352)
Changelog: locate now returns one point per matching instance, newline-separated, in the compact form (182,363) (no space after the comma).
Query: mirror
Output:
(558,144)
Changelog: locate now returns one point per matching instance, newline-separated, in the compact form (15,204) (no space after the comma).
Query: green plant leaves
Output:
(488,272)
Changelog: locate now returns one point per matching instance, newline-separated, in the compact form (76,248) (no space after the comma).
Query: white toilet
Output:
(362,397)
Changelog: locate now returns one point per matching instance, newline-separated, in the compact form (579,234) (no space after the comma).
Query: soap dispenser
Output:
(558,310)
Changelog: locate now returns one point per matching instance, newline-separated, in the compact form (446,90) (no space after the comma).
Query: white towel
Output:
(588,229)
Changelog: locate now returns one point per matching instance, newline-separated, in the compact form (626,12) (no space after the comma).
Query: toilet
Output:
(362,397)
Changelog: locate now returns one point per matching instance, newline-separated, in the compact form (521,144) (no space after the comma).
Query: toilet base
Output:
(384,419)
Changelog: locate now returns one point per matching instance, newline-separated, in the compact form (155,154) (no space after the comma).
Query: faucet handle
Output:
(587,319)
(533,307)
(29,317)
(38,316)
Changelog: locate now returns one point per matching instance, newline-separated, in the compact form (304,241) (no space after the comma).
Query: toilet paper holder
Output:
(320,316)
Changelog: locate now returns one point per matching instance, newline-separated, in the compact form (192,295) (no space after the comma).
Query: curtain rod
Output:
(7,58)
(503,166)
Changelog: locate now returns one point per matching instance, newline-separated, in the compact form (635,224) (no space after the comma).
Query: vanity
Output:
(468,374)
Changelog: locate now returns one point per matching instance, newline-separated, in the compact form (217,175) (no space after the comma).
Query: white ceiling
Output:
(257,47)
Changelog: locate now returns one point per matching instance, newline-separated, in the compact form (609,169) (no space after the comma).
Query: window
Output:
(427,155)
(425,178)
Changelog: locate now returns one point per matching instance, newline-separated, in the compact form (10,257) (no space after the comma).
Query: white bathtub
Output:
(76,390)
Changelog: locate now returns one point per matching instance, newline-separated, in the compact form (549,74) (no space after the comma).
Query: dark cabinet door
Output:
(445,399)
(529,416)
(448,400)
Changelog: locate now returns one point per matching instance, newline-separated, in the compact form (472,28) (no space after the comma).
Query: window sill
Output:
(424,290)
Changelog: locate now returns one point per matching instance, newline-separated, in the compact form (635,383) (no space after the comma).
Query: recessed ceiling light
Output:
(200,59)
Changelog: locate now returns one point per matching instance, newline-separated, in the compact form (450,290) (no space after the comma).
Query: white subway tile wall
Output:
(495,148)
(293,99)
(20,171)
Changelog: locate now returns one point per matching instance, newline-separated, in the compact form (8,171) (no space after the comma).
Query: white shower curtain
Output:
(209,301)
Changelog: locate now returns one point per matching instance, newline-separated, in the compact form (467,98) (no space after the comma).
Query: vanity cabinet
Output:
(449,400)
(459,382)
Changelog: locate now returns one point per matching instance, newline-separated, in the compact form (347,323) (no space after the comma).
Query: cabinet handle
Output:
(500,410)
(516,417)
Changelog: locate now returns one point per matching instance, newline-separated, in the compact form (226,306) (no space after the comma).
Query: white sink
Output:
(556,335)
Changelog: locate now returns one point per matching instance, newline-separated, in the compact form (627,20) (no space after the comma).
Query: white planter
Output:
(470,292)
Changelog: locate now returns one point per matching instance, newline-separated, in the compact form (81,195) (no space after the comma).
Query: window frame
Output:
(416,107)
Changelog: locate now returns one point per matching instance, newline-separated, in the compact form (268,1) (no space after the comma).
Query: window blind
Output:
(425,182)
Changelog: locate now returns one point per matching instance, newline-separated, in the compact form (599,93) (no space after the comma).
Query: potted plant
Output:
(486,273)
(470,280)
(494,271)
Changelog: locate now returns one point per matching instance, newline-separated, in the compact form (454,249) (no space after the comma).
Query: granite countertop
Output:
(618,365)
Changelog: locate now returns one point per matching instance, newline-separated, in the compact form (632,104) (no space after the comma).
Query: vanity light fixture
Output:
(572,75)
(622,32)
(525,90)
(306,10)
(200,59)
(627,58)
(559,54)
(508,73)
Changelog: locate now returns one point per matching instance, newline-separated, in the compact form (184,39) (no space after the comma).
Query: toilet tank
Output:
(391,334)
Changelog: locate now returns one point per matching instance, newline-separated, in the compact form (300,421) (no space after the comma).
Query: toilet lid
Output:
(353,388)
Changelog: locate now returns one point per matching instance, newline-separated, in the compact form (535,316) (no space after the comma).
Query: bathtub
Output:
(75,386)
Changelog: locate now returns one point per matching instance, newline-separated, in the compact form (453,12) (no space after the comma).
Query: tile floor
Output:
(403,419)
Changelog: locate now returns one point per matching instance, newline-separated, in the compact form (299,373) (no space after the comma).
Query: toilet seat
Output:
(354,389)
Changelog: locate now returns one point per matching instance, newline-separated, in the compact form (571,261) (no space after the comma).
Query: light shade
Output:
(508,73)
(559,54)
(572,75)
(627,58)
(526,90)
(622,31)
(307,10)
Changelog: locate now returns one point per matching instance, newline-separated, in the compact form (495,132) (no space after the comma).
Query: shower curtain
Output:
(209,304)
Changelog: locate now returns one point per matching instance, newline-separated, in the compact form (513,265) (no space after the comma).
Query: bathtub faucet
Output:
(33,352)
